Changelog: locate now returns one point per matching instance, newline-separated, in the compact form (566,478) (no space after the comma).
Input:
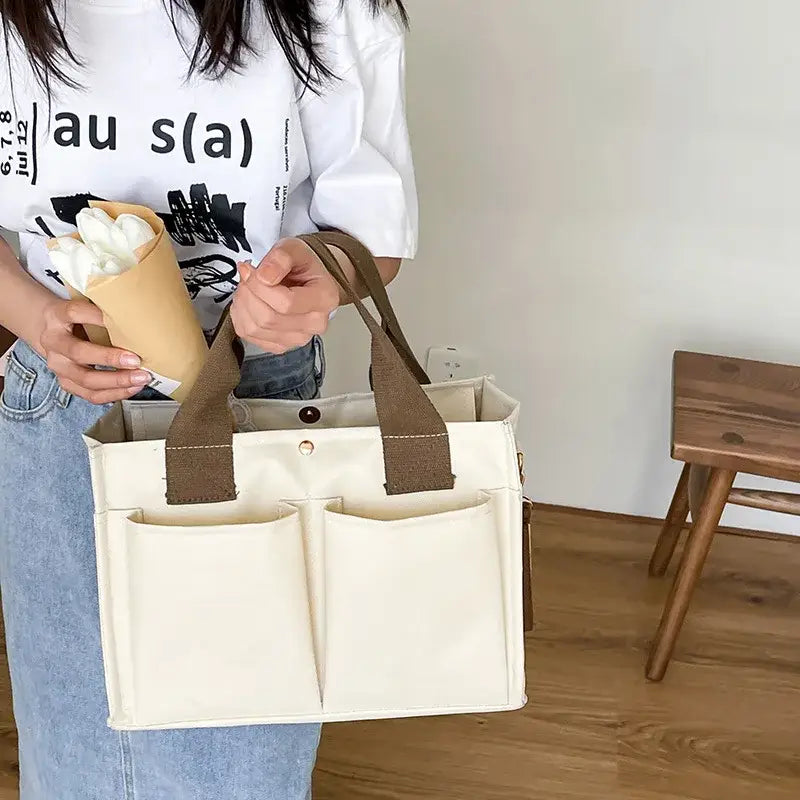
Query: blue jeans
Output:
(49,590)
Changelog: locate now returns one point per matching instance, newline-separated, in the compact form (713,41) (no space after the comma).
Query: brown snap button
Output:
(310,415)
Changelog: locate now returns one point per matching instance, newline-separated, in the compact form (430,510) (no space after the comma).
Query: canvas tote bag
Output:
(351,558)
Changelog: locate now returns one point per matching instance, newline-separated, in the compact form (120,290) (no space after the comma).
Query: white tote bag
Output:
(357,557)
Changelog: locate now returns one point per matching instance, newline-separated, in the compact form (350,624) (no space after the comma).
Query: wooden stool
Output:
(729,416)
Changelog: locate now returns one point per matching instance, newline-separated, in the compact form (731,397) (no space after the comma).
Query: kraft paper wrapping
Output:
(94,333)
(148,311)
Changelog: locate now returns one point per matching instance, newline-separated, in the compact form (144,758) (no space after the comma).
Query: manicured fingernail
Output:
(130,360)
(142,378)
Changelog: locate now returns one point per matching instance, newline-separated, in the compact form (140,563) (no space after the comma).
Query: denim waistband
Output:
(264,375)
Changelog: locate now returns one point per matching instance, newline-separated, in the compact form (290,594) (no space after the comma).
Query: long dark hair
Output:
(222,43)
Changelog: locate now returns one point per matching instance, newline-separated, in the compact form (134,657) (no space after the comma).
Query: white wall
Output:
(602,182)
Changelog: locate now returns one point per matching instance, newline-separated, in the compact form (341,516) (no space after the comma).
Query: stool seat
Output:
(736,414)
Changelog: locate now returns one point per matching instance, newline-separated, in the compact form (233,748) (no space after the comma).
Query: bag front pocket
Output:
(209,624)
(414,612)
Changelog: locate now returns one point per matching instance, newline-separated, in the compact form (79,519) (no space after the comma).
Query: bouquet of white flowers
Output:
(121,260)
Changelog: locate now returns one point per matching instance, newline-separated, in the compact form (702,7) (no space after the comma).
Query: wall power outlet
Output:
(451,364)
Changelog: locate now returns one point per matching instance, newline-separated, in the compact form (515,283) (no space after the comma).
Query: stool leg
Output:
(698,483)
(691,566)
(673,525)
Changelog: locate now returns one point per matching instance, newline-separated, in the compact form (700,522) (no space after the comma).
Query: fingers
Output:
(288,255)
(277,297)
(97,380)
(274,267)
(79,312)
(267,318)
(97,386)
(319,293)
(58,336)
(286,300)
(73,359)
(292,280)
(100,386)
(246,270)
(257,323)
(82,352)
(268,337)
(98,397)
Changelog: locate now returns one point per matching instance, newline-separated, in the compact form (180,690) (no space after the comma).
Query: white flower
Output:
(108,247)
(74,261)
(136,231)
(116,238)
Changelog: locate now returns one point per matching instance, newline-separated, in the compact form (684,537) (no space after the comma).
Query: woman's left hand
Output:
(286,301)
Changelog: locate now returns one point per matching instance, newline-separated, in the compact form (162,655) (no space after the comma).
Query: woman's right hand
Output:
(73,359)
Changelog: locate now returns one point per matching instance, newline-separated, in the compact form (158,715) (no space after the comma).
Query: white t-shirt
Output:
(231,165)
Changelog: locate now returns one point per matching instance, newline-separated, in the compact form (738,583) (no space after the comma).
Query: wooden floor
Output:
(725,725)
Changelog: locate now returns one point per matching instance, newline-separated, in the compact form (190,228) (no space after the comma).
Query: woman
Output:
(243,123)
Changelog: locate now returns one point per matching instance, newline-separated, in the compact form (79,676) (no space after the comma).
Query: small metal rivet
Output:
(310,415)
(306,448)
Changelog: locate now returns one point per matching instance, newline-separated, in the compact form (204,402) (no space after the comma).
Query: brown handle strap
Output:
(366,269)
(416,445)
(199,448)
